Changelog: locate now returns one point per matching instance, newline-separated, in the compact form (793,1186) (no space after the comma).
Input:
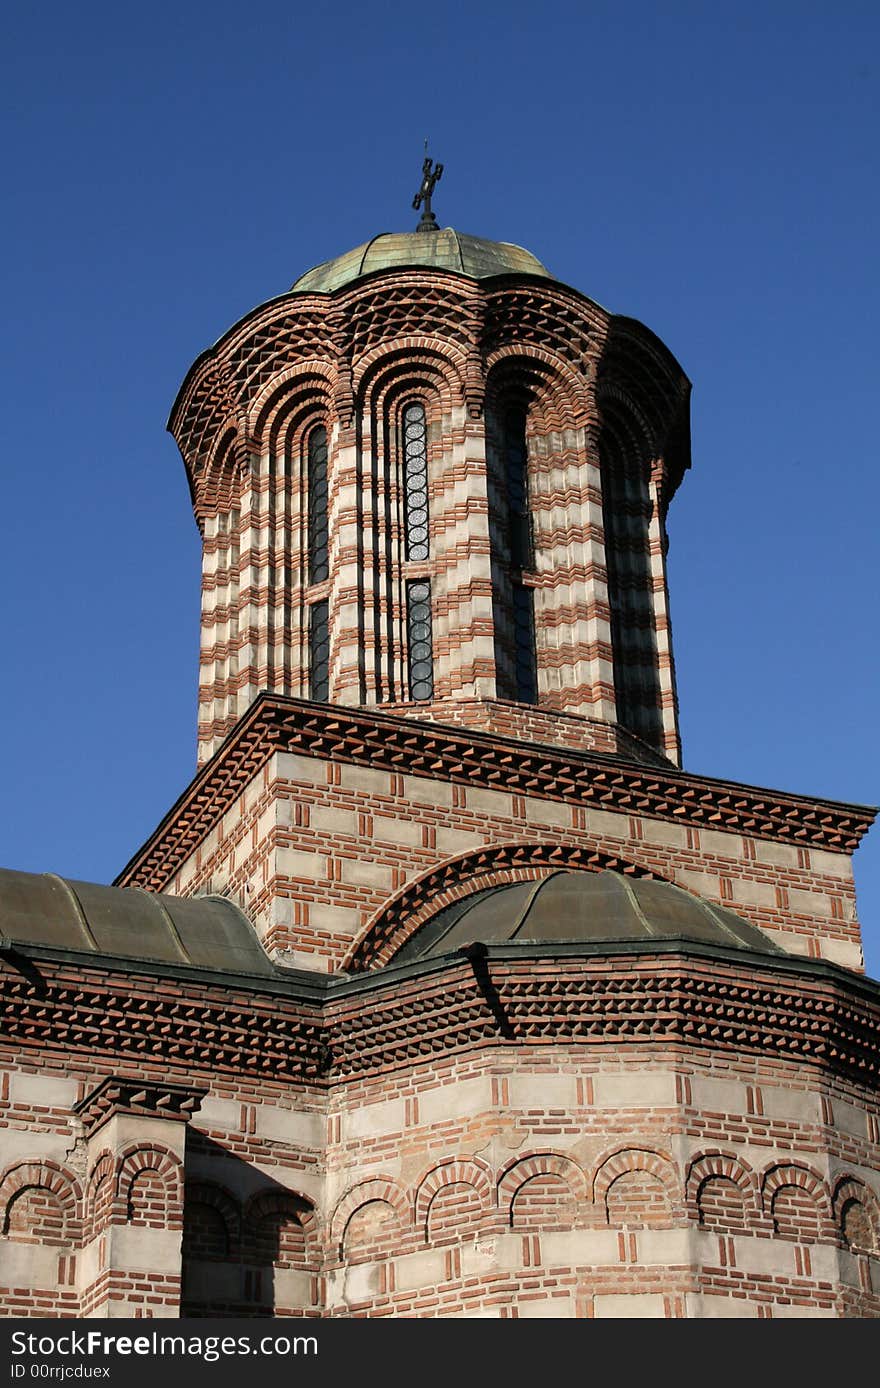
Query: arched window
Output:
(415,481)
(319,568)
(319,651)
(626,515)
(416,534)
(516,667)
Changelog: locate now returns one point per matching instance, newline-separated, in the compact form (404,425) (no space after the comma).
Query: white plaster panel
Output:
(135,1248)
(292,1288)
(373,1120)
(364,778)
(792,1312)
(831,864)
(635,1089)
(670,1246)
(28,1264)
(659,831)
(542,1091)
(294,863)
(419,1269)
(797,1104)
(773,1256)
(603,823)
(718,1096)
(545,1308)
(490,802)
(422,791)
(580,1248)
(286,1125)
(224,1114)
(722,845)
(455,1100)
(548,812)
(708,1307)
(847,953)
(43,1091)
(639,1306)
(778,854)
(850,1119)
(290,766)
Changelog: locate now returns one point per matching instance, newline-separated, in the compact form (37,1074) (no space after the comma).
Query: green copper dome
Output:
(434,250)
(586,908)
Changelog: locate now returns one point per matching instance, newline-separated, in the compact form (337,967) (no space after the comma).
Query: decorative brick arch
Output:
(792,1174)
(850,1191)
(43,1175)
(719,1164)
(379,1188)
(100,1202)
(140,1163)
(453,878)
(629,1159)
(810,1191)
(524,1170)
(456,1171)
(316,377)
(307,401)
(221,1200)
(271,1204)
(558,384)
(378,368)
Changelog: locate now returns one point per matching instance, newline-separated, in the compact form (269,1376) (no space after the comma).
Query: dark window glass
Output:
(418,629)
(516,468)
(415,481)
(524,644)
(319,651)
(317,484)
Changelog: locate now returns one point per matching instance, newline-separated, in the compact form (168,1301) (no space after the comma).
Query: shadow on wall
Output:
(244,1257)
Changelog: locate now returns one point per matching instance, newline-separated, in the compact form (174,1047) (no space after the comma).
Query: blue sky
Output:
(708,169)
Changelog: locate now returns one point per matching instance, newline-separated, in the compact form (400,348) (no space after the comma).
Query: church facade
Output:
(442,990)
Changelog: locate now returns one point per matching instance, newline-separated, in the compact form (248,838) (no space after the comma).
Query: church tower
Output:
(434,480)
(443,990)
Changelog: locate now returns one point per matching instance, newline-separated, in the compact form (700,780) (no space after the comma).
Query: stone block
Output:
(421,791)
(297,865)
(136,1248)
(580,1248)
(659,831)
(545,1307)
(721,845)
(775,1257)
(416,1270)
(550,812)
(670,1247)
(638,1306)
(374,1120)
(361,872)
(299,770)
(287,1125)
(635,1089)
(711,1095)
(43,1091)
(847,953)
(792,1105)
(224,1115)
(705,1306)
(831,864)
(542,1091)
(455,1100)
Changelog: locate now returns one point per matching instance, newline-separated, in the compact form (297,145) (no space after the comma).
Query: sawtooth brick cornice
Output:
(368,737)
(185,1024)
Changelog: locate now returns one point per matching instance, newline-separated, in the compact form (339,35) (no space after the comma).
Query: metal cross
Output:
(431,175)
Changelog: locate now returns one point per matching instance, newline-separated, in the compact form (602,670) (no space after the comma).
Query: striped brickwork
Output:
(351,362)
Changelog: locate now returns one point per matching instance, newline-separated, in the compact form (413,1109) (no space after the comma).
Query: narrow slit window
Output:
(516,469)
(319,651)
(524,644)
(415,481)
(317,487)
(418,628)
